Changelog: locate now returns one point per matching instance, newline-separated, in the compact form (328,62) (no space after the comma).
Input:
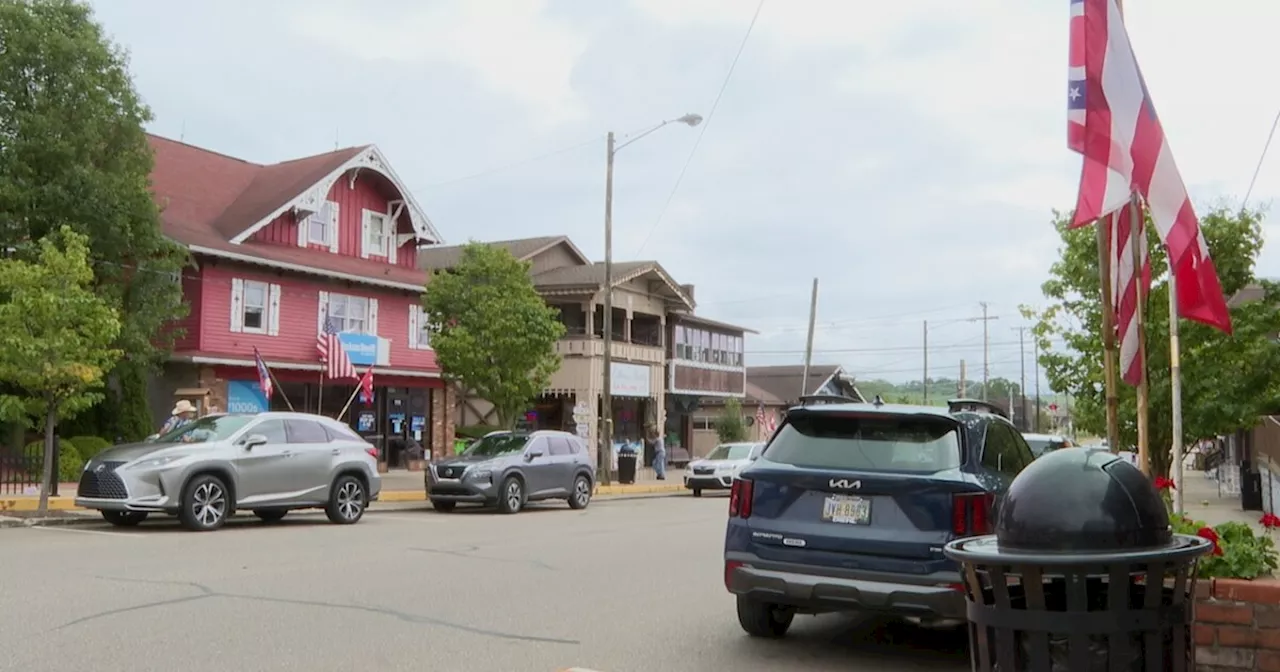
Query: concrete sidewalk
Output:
(397,486)
(1201,501)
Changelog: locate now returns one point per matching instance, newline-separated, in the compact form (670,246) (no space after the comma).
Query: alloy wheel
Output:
(350,500)
(513,495)
(209,504)
(582,492)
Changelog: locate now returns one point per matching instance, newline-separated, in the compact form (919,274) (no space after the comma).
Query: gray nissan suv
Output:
(508,469)
(203,472)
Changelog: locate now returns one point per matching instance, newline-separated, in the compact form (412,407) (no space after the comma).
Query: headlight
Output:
(157,462)
(480,475)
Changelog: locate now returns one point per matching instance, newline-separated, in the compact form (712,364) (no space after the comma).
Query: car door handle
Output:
(336,451)
(287,453)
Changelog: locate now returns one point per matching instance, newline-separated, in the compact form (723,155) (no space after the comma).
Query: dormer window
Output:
(320,228)
(377,234)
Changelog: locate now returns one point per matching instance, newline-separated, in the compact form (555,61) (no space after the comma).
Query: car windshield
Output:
(497,444)
(1041,446)
(867,443)
(208,428)
(731,451)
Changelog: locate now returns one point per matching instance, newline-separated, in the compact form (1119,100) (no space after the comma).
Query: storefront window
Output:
(701,345)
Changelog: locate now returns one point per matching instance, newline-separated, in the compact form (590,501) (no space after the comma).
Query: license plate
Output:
(847,510)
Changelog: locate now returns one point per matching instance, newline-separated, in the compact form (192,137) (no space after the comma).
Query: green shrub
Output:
(89,446)
(70,464)
(1238,552)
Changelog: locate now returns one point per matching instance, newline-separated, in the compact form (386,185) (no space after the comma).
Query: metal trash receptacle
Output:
(1083,573)
(626,467)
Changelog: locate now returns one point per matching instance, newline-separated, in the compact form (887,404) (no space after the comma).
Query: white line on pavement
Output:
(104,533)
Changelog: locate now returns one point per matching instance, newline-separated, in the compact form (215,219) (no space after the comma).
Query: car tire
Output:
(763,619)
(443,506)
(206,504)
(270,515)
(697,492)
(124,518)
(511,496)
(347,501)
(580,496)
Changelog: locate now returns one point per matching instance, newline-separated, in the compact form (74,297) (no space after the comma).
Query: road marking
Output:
(75,530)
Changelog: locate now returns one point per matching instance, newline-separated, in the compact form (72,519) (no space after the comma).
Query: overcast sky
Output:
(908,154)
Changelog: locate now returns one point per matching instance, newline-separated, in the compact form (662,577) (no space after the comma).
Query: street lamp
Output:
(604,462)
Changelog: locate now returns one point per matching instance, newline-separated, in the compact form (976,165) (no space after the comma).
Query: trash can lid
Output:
(1083,500)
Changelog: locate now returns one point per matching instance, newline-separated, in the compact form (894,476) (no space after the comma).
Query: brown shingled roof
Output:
(207,198)
(432,257)
(784,381)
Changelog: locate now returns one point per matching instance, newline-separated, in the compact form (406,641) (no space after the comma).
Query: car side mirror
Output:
(253,441)
(151,439)
(533,454)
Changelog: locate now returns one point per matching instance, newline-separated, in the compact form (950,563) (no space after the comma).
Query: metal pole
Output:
(1022,383)
(963,392)
(1175,384)
(925,380)
(986,350)
(604,456)
(1136,224)
(1035,361)
(808,348)
(1108,332)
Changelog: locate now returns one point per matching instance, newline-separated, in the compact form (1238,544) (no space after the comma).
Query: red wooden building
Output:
(277,249)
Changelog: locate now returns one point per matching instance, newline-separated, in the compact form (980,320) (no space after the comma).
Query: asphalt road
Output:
(625,586)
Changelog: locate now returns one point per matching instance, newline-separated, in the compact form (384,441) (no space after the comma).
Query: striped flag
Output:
(1125,287)
(760,421)
(366,387)
(1112,122)
(264,376)
(338,364)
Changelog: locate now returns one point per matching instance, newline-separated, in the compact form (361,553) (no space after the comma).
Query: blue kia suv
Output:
(849,506)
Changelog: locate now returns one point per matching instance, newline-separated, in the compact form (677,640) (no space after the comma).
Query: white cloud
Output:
(513,46)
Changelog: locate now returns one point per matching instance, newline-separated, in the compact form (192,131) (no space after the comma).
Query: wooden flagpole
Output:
(277,386)
(320,392)
(1108,332)
(1137,223)
(353,394)
(1175,383)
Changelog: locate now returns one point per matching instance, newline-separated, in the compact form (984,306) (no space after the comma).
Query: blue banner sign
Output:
(244,396)
(361,348)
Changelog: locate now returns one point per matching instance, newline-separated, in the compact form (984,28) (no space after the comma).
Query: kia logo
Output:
(845,484)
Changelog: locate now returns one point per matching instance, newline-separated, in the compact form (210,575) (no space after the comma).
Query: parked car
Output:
(203,472)
(1043,443)
(509,469)
(717,470)
(849,506)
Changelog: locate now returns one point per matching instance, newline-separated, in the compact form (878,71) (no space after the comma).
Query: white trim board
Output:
(284,265)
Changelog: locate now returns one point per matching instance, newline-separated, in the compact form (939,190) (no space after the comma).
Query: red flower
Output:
(1164,483)
(1211,535)
(1269,521)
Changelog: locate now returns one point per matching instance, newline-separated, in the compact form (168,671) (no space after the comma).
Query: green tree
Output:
(56,337)
(73,152)
(491,329)
(1227,381)
(730,426)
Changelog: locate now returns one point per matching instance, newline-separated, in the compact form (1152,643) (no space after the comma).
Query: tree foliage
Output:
(73,153)
(730,426)
(1227,381)
(56,336)
(491,329)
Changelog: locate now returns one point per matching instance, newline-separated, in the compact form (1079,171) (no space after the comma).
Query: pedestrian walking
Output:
(659,454)
(183,414)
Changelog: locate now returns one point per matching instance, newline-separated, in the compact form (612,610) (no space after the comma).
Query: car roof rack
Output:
(975,406)
(814,399)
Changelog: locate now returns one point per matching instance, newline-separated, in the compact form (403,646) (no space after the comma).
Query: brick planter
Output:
(1237,625)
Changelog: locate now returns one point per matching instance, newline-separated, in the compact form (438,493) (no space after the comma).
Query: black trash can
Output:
(1083,573)
(626,467)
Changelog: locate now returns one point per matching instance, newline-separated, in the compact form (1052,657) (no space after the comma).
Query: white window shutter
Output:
(391,241)
(373,316)
(413,326)
(273,311)
(364,234)
(333,227)
(237,305)
(321,311)
(304,227)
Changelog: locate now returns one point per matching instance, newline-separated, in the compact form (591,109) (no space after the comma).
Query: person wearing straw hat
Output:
(184,413)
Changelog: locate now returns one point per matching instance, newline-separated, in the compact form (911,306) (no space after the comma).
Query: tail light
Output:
(373,451)
(729,567)
(740,498)
(971,513)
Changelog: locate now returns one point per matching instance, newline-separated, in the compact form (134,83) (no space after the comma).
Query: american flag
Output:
(339,365)
(264,376)
(1125,287)
(761,427)
(1112,122)
(366,387)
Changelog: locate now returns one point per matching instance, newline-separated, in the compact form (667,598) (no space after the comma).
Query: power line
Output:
(1258,169)
(707,122)
(888,349)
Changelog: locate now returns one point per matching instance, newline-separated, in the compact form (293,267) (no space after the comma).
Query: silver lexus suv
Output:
(268,463)
(507,469)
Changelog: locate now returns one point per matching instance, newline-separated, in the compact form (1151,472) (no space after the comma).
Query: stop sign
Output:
(1053,407)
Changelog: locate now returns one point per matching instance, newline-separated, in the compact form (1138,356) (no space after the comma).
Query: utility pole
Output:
(1022,383)
(986,345)
(808,348)
(604,456)
(1035,345)
(964,388)
(924,381)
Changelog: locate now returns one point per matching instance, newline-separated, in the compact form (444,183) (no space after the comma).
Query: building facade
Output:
(706,366)
(277,251)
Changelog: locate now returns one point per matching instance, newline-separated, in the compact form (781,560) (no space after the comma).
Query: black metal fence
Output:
(19,470)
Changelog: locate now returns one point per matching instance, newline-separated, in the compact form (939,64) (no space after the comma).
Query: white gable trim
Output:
(286,266)
(662,275)
(310,200)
